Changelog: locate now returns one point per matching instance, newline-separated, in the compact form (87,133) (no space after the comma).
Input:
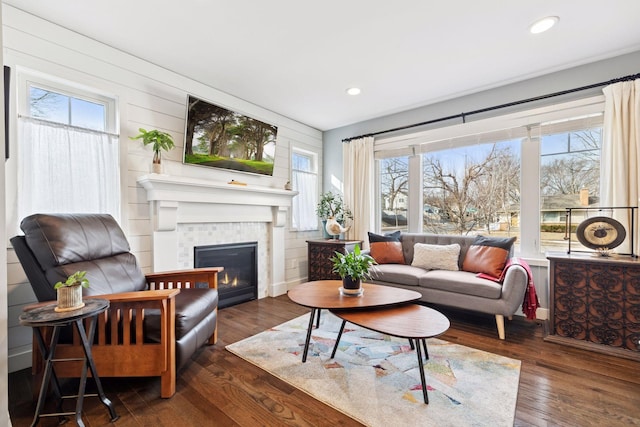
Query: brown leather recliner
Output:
(154,323)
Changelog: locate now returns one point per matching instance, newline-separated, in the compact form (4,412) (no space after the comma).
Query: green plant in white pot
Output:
(160,140)
(353,267)
(69,292)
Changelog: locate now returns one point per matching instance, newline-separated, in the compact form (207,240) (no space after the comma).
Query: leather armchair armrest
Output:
(140,296)
(184,278)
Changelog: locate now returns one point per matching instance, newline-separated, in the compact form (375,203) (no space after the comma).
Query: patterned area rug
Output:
(374,378)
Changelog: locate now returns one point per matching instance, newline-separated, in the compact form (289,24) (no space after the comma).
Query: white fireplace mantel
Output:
(183,189)
(177,200)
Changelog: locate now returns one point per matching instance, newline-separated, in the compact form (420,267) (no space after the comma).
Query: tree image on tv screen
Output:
(221,138)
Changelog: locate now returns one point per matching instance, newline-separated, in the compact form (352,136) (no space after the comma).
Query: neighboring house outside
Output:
(554,208)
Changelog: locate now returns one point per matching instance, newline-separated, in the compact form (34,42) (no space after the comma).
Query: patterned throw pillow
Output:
(488,255)
(436,257)
(386,249)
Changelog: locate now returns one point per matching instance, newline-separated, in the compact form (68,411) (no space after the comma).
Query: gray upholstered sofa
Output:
(460,289)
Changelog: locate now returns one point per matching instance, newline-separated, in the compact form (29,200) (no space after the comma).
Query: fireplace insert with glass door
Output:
(239,280)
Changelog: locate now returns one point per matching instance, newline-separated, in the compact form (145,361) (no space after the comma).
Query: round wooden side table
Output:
(46,316)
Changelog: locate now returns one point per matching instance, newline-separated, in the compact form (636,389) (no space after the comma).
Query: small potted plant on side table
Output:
(160,140)
(70,292)
(353,267)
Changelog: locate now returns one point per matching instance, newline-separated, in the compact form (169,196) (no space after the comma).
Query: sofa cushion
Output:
(460,282)
(436,257)
(488,255)
(387,252)
(386,249)
(192,305)
(396,273)
(410,239)
(389,237)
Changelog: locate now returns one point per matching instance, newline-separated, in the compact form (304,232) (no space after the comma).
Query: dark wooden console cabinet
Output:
(595,303)
(320,253)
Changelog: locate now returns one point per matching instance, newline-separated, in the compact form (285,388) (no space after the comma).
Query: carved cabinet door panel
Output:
(595,301)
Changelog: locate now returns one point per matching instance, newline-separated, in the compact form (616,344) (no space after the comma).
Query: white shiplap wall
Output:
(148,96)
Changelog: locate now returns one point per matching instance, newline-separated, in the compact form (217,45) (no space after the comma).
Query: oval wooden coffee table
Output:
(412,321)
(325,294)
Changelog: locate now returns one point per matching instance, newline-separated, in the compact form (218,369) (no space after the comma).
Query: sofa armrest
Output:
(513,288)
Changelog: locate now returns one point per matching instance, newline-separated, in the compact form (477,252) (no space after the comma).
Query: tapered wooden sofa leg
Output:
(500,324)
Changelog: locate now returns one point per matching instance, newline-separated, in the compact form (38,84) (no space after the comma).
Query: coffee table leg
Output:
(306,343)
(421,368)
(335,347)
(424,345)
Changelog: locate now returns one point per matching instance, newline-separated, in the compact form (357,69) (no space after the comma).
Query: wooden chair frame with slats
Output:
(119,349)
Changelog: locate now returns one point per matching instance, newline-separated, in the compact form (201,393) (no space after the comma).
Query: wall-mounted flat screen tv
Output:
(220,138)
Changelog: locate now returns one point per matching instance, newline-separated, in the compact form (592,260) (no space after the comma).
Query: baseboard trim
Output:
(19,361)
(542,313)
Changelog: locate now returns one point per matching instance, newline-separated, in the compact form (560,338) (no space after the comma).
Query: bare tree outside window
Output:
(569,178)
(472,190)
(394,186)
(66,109)
(477,186)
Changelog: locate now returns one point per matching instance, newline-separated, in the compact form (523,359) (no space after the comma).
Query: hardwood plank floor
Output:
(559,385)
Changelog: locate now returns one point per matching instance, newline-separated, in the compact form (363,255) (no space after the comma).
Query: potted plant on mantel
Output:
(352,267)
(160,140)
(332,208)
(70,292)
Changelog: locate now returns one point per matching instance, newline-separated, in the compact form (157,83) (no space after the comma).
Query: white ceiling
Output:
(297,58)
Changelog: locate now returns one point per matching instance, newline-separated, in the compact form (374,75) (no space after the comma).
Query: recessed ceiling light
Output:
(544,24)
(353,91)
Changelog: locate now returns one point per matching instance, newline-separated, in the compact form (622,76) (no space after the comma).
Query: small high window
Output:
(68,155)
(304,180)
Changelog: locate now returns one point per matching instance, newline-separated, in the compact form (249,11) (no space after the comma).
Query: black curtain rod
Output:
(463,116)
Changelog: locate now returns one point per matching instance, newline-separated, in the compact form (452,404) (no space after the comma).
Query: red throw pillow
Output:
(387,252)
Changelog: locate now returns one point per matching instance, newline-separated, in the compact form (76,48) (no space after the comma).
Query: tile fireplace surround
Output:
(188,212)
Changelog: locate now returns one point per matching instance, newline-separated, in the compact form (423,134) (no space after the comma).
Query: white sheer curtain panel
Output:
(303,206)
(620,158)
(359,186)
(66,169)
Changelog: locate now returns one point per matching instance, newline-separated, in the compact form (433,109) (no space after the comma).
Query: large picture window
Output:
(506,176)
